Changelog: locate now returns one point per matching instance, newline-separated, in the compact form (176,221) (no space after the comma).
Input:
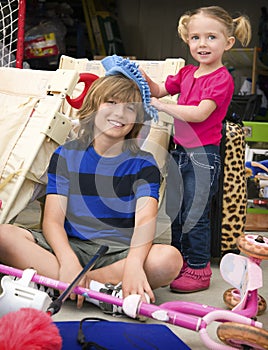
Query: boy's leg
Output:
(161,267)
(18,249)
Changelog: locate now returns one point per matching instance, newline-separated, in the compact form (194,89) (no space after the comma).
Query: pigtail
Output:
(182,27)
(242,30)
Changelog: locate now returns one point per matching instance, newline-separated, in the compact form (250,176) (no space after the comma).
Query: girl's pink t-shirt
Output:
(217,86)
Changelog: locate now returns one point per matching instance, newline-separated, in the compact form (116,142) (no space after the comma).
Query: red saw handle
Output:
(87,79)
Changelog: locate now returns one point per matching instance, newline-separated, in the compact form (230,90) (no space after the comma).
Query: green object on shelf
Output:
(257,210)
(256,131)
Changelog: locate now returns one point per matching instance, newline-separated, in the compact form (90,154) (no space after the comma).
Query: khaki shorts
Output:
(85,250)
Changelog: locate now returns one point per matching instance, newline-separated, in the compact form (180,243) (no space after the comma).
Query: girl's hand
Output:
(156,103)
(144,75)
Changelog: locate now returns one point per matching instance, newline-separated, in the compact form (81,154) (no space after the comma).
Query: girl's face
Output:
(115,119)
(207,40)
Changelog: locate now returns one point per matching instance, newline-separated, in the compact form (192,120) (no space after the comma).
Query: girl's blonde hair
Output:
(117,87)
(238,27)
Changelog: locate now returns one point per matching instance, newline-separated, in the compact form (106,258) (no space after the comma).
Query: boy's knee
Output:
(172,259)
(2,229)
(5,231)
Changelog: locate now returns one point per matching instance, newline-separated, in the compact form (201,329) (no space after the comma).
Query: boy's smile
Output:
(116,123)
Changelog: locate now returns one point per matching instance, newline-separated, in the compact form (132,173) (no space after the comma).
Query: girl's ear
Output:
(230,43)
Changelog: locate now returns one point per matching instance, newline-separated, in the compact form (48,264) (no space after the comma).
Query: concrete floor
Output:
(213,296)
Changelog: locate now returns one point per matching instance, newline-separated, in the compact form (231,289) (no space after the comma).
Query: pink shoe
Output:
(192,280)
(184,267)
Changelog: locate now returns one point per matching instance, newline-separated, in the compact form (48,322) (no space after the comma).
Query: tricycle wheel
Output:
(243,336)
(231,297)
(253,245)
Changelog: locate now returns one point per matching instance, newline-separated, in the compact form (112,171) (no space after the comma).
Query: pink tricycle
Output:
(238,327)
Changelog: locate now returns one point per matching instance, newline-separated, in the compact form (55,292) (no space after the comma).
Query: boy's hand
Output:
(135,282)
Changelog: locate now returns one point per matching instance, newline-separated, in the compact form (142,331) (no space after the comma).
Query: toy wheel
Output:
(253,245)
(231,297)
(243,336)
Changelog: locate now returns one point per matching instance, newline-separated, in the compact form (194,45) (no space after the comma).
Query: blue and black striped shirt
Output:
(102,192)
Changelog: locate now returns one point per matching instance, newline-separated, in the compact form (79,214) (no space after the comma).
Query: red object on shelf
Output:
(262,202)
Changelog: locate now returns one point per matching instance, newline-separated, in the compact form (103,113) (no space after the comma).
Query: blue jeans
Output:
(192,181)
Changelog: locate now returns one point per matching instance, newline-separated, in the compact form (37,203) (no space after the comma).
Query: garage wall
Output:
(149,27)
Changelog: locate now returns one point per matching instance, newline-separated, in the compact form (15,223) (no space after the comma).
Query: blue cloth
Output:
(102,192)
(115,335)
(256,169)
(191,184)
(116,64)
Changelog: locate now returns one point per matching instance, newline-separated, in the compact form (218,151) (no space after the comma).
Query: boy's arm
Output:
(56,236)
(53,225)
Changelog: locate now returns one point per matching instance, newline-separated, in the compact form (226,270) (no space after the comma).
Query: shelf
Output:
(256,131)
(246,59)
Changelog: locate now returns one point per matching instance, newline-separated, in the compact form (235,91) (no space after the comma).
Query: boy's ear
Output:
(230,43)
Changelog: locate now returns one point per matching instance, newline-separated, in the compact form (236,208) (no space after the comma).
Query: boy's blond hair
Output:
(117,87)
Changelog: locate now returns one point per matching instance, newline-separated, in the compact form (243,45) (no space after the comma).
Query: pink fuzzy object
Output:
(29,329)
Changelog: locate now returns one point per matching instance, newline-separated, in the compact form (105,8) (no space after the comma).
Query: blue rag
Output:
(116,64)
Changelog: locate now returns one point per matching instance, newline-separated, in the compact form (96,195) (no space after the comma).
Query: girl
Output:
(102,189)
(205,91)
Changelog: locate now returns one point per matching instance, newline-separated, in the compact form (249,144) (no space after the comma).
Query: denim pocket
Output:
(209,161)
(180,158)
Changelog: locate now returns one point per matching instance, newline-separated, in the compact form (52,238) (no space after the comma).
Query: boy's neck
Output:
(108,149)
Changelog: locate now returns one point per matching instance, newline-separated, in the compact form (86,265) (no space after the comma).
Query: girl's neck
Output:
(206,69)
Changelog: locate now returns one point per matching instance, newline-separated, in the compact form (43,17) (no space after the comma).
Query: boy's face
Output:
(115,119)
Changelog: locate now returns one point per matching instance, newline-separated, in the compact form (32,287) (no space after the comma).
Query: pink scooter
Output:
(238,328)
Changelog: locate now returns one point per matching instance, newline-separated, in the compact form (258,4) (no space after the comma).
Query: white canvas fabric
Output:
(27,116)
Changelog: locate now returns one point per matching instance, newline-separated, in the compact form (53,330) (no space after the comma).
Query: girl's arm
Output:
(135,280)
(194,114)
(157,90)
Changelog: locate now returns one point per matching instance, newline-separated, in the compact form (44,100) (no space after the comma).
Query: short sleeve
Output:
(58,182)
(218,88)
(148,179)
(184,75)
